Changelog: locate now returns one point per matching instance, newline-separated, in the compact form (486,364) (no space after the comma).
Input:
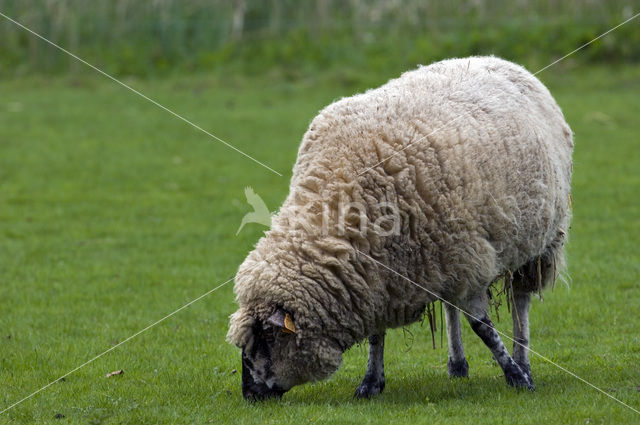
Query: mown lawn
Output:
(114,213)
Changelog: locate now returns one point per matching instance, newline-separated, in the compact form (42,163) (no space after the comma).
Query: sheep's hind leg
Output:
(373,382)
(520,314)
(483,327)
(457,363)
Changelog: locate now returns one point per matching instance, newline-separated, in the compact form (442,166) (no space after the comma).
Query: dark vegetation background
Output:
(145,38)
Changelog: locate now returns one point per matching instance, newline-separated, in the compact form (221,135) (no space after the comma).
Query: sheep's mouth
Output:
(255,391)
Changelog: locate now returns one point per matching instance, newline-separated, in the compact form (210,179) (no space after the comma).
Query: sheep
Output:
(429,187)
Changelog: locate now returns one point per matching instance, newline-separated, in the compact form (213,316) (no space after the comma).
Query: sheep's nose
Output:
(254,393)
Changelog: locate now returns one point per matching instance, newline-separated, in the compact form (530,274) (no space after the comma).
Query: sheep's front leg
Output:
(483,327)
(520,315)
(457,363)
(373,382)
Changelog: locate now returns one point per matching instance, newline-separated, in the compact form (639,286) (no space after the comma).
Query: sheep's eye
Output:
(269,334)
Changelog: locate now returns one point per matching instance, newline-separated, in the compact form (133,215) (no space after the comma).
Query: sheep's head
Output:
(277,355)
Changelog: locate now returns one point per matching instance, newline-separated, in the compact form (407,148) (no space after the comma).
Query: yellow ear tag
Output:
(289,327)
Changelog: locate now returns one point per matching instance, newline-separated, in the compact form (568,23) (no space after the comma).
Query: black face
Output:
(257,376)
(255,390)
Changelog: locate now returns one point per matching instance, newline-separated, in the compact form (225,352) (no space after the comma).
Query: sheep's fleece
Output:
(476,156)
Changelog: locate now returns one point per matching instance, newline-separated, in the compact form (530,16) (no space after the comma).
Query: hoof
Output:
(459,369)
(369,388)
(519,379)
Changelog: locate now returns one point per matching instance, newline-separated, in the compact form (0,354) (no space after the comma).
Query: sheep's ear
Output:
(282,320)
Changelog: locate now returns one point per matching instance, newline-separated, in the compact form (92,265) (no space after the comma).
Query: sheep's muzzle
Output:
(256,391)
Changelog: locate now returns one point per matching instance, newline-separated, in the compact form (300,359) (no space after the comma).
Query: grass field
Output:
(114,214)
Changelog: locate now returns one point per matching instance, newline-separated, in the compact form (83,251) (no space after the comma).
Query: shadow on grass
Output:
(424,388)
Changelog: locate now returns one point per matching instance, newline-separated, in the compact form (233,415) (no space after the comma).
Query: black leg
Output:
(373,382)
(483,327)
(520,314)
(457,363)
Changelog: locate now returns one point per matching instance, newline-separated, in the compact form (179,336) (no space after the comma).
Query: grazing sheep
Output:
(429,187)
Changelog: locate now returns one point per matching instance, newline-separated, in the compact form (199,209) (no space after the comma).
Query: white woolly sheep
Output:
(429,187)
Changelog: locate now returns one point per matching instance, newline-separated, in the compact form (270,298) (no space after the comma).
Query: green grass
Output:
(114,214)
